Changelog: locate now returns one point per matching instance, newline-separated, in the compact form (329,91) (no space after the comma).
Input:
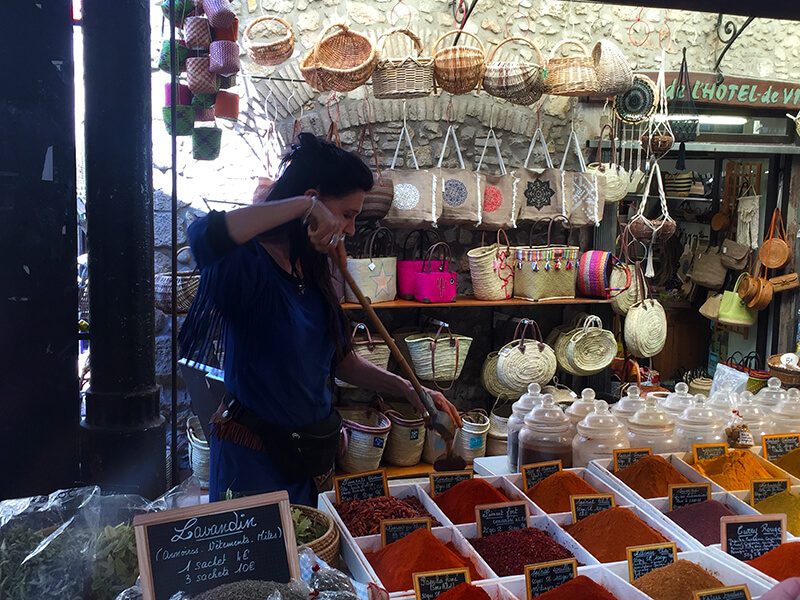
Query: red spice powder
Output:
(508,552)
(464,591)
(459,502)
(552,493)
(581,588)
(781,563)
(416,553)
(607,534)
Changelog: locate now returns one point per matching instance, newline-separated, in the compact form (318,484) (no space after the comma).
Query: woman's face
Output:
(346,208)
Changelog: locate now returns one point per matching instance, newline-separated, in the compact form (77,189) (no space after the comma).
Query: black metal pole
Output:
(173,443)
(123,441)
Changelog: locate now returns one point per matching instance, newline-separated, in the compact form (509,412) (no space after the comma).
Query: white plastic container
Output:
(755,416)
(519,410)
(652,427)
(579,409)
(699,424)
(599,434)
(628,405)
(545,435)
(769,397)
(786,416)
(678,401)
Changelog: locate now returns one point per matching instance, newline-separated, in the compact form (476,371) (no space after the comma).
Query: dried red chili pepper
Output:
(363,517)
(507,553)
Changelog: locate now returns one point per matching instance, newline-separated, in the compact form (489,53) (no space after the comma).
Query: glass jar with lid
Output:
(786,416)
(579,409)
(723,402)
(699,424)
(628,404)
(756,417)
(545,435)
(599,434)
(678,401)
(519,411)
(769,397)
(652,427)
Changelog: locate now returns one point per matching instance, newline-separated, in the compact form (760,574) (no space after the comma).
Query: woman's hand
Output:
(324,228)
(441,403)
(788,590)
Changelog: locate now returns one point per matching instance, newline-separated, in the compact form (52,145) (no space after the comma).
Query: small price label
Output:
(586,506)
(626,457)
(432,584)
(761,489)
(369,484)
(778,444)
(534,473)
(708,451)
(543,577)
(684,494)
(441,482)
(643,559)
(393,530)
(496,518)
(749,536)
(734,592)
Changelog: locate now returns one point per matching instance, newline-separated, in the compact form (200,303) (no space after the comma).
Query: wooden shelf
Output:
(469,302)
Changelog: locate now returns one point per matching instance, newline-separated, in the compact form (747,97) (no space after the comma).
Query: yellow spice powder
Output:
(783,503)
(790,462)
(734,471)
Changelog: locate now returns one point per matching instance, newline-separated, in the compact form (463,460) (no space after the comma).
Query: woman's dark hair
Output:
(316,163)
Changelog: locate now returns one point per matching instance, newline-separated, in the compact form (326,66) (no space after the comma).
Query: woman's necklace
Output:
(298,281)
(281,261)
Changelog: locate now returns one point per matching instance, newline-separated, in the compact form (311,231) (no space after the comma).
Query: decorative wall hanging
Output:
(639,103)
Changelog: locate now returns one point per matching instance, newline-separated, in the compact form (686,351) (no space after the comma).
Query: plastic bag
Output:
(736,379)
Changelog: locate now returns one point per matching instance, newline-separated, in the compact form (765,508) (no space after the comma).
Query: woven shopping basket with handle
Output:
(406,77)
(571,75)
(514,80)
(458,69)
(269,41)
(341,61)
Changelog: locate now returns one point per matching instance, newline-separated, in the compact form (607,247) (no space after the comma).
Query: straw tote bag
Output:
(540,189)
(411,261)
(626,271)
(439,357)
(378,200)
(526,359)
(373,351)
(492,270)
(544,272)
(582,203)
(612,179)
(594,274)
(376,272)
(458,198)
(592,349)
(414,204)
(645,325)
(498,193)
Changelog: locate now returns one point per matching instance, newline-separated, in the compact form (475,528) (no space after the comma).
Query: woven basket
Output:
(373,351)
(571,75)
(406,440)
(439,357)
(560,348)
(492,270)
(341,61)
(659,145)
(788,377)
(592,349)
(277,50)
(515,81)
(525,360)
(199,450)
(701,385)
(187,284)
(365,431)
(490,381)
(614,72)
(402,78)
(645,329)
(458,69)
(621,274)
(326,547)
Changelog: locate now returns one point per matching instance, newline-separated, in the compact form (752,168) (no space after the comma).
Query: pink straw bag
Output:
(219,13)
(594,272)
(408,265)
(224,57)
(436,283)
(198,76)
(197,33)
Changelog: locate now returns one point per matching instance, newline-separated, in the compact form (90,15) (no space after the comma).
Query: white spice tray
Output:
(741,566)
(773,470)
(549,526)
(487,466)
(726,571)
(618,586)
(663,525)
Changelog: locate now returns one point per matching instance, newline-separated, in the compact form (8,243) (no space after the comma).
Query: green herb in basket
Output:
(306,530)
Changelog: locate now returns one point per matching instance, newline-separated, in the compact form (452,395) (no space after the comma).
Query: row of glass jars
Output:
(539,430)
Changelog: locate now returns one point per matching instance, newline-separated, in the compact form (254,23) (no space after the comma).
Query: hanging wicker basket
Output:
(458,69)
(187,284)
(490,381)
(326,547)
(402,78)
(571,75)
(269,41)
(614,72)
(341,61)
(516,81)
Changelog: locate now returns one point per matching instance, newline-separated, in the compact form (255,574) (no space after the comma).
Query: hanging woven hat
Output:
(639,103)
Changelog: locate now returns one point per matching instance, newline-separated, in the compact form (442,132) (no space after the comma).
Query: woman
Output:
(266,309)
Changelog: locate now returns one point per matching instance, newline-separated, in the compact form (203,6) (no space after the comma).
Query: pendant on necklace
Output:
(301,288)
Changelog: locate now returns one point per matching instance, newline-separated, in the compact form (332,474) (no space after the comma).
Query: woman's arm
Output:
(246,223)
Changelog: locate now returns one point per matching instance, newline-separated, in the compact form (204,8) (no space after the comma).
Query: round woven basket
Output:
(560,350)
(592,349)
(525,361)
(438,358)
(639,103)
(614,72)
(491,269)
(405,77)
(645,328)
(187,284)
(365,431)
(406,440)
(788,377)
(458,69)
(571,75)
(341,61)
(622,301)
(327,545)
(700,385)
(269,41)
(515,81)
(489,378)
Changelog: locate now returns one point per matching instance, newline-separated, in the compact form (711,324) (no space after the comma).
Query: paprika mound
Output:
(701,520)
(781,563)
(418,552)
(581,588)
(678,581)
(508,552)
(464,591)
(363,517)
(459,502)
(733,471)
(790,462)
(607,534)
(552,493)
(651,476)
(786,503)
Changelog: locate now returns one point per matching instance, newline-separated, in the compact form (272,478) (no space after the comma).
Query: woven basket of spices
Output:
(269,41)
(364,435)
(327,545)
(402,77)
(519,82)
(458,69)
(789,377)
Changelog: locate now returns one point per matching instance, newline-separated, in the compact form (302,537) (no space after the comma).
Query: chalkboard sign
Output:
(734,592)
(441,482)
(393,530)
(534,473)
(369,484)
(196,549)
(684,494)
(544,577)
(707,451)
(761,489)
(776,445)
(624,458)
(431,585)
(496,518)
(643,559)
(748,537)
(587,505)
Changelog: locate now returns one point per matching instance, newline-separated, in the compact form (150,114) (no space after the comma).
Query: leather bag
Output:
(436,282)
(735,256)
(708,270)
